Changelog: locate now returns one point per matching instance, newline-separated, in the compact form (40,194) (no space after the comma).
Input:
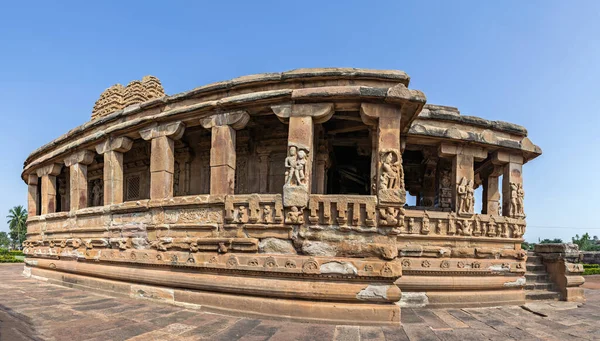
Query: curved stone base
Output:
(122,281)
(461,291)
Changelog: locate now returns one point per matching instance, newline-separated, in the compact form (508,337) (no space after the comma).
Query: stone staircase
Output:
(538,285)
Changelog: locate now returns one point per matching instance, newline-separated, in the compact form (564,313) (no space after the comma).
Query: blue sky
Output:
(534,63)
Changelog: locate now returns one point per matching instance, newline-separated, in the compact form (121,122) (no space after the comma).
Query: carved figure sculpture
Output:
(477,229)
(452,224)
(97,193)
(294,216)
(514,188)
(242,214)
(520,199)
(411,225)
(464,228)
(425,225)
(470,196)
(267,214)
(295,165)
(461,192)
(387,216)
(390,171)
(491,228)
(465,196)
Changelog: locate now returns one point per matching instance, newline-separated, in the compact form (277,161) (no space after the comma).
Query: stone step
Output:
(535,267)
(539,286)
(539,277)
(536,260)
(537,295)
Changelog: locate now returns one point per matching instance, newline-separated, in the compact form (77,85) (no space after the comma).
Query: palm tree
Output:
(17,219)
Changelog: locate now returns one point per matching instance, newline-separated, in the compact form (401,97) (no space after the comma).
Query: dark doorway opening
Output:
(349,173)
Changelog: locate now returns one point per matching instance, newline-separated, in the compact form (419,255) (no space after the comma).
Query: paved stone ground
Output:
(34,310)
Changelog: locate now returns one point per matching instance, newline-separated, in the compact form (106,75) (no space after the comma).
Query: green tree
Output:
(586,243)
(17,218)
(4,240)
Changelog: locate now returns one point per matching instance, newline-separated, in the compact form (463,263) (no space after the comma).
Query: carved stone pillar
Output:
(428,189)
(490,173)
(512,184)
(389,177)
(321,169)
(32,190)
(77,164)
(48,174)
(222,149)
(113,150)
(463,175)
(162,157)
(301,119)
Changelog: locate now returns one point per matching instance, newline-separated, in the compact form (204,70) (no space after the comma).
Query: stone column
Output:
(162,157)
(113,150)
(512,184)
(222,149)
(77,164)
(48,174)
(490,174)
(32,188)
(389,177)
(321,169)
(463,174)
(301,119)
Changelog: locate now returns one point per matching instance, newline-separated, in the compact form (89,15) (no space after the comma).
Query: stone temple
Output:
(285,195)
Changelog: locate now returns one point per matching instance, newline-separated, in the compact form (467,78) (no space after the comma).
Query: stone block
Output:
(274,245)
(295,196)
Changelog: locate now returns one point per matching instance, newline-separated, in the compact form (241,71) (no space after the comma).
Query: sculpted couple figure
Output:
(295,165)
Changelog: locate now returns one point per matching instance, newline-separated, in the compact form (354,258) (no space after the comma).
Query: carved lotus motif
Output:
(271,263)
(425,263)
(290,264)
(253,262)
(386,270)
(460,264)
(406,263)
(368,267)
(232,262)
(310,267)
(476,265)
(445,264)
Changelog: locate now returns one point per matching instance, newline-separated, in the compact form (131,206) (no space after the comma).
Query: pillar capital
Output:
(502,157)
(372,112)
(116,144)
(450,150)
(235,119)
(51,170)
(320,112)
(84,157)
(172,130)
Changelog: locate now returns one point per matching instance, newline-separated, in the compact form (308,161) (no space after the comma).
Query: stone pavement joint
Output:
(35,310)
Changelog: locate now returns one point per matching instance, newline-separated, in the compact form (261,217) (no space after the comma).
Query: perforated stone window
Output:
(132,187)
